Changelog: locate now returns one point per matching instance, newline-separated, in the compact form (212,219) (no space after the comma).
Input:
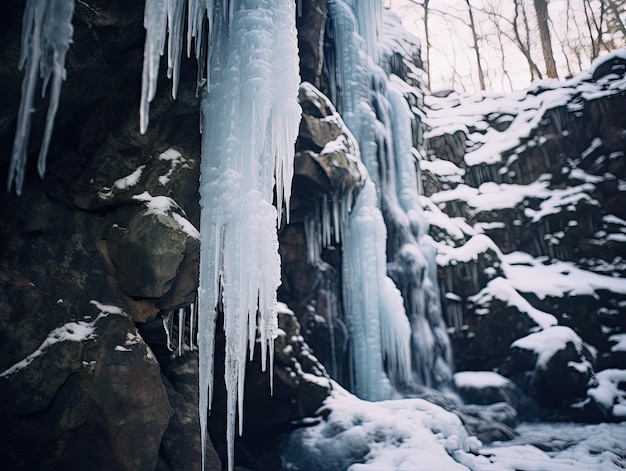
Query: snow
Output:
(462,192)
(471,250)
(620,342)
(106,309)
(559,199)
(580,447)
(443,168)
(435,217)
(408,434)
(70,332)
(176,160)
(608,392)
(186,226)
(557,278)
(46,37)
(502,289)
(166,206)
(79,331)
(123,183)
(549,341)
(527,108)
(480,379)
(491,196)
(414,435)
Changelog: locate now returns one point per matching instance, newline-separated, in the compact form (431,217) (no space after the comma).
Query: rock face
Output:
(91,254)
(98,257)
(540,220)
(326,170)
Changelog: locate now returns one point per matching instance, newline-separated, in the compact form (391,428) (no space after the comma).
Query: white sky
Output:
(451,43)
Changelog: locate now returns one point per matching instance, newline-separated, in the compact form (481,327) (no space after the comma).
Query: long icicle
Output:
(46,36)
(250,122)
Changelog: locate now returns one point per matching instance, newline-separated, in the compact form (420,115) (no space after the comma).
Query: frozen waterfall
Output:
(403,296)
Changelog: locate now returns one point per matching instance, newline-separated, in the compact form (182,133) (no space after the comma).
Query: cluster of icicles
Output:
(248,81)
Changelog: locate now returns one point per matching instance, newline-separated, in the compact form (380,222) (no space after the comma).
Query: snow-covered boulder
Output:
(486,387)
(554,366)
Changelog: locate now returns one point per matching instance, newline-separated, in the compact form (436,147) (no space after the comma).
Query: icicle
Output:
(369,14)
(168,325)
(155,22)
(331,314)
(406,175)
(181,330)
(46,36)
(192,326)
(363,265)
(250,114)
(175,27)
(166,19)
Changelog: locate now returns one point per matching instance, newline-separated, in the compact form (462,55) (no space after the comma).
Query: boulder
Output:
(553,366)
(78,399)
(486,387)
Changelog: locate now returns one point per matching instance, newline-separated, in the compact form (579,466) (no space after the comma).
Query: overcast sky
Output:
(451,40)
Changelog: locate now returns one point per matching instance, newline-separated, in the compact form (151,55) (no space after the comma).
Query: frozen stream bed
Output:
(562,446)
(416,435)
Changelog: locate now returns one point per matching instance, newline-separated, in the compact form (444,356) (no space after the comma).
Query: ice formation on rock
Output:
(376,112)
(250,120)
(46,36)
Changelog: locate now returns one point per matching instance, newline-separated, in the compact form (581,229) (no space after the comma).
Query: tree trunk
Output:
(481,75)
(425,5)
(535,73)
(541,9)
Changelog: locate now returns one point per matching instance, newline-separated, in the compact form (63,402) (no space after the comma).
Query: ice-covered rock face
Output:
(388,230)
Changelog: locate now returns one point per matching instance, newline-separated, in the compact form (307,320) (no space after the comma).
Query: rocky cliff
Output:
(99,260)
(525,195)
(99,269)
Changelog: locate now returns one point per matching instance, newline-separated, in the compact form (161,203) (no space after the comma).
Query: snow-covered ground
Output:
(416,435)
(562,446)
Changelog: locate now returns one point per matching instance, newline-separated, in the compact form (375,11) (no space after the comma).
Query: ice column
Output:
(363,267)
(431,345)
(376,112)
(46,36)
(250,120)
(375,315)
(369,15)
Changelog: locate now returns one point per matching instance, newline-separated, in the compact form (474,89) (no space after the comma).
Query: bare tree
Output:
(498,34)
(481,75)
(541,10)
(520,19)
(617,7)
(427,36)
